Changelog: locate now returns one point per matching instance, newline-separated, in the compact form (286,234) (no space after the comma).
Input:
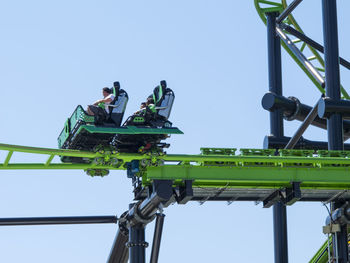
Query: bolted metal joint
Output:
(142,244)
(134,216)
(123,224)
(293,115)
(340,216)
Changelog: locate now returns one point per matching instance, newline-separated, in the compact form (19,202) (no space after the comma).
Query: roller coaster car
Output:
(139,133)
(156,123)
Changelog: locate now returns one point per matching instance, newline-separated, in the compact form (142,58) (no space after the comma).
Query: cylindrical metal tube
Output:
(335,121)
(275,72)
(331,54)
(272,102)
(276,129)
(150,205)
(327,106)
(67,220)
(280,228)
(292,110)
(137,244)
(158,229)
(119,252)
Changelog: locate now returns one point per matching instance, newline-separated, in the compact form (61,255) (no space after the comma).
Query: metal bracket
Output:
(331,229)
(185,193)
(293,194)
(287,196)
(273,198)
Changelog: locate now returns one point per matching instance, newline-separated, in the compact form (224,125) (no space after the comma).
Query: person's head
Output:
(106,91)
(143,105)
(149,101)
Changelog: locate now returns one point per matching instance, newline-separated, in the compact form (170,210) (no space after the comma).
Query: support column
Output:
(335,122)
(276,127)
(331,55)
(137,244)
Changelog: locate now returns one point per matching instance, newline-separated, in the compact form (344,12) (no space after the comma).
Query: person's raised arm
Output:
(106,101)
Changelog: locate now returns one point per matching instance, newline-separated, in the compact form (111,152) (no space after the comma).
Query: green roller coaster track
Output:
(214,167)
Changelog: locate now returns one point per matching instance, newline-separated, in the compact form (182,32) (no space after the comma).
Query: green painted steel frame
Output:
(128,130)
(321,255)
(79,114)
(251,168)
(253,177)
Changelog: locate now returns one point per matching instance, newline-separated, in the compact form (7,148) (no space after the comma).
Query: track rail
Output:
(214,167)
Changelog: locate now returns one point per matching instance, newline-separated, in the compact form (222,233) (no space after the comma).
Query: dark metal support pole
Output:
(275,72)
(276,127)
(158,229)
(63,220)
(330,32)
(288,10)
(140,214)
(137,244)
(335,121)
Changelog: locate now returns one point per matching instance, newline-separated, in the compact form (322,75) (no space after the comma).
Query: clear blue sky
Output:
(57,54)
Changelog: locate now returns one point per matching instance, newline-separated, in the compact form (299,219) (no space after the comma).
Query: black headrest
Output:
(159,92)
(116,88)
(163,83)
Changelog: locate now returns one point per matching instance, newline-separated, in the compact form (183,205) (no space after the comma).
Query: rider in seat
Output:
(157,111)
(142,109)
(100,108)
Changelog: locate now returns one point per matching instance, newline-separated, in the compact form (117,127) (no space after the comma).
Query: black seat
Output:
(116,111)
(163,99)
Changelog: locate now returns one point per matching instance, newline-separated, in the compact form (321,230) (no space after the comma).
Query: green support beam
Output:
(253,177)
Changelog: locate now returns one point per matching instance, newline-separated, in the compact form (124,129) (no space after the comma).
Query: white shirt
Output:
(110,96)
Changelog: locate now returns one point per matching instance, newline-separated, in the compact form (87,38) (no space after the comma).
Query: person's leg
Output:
(93,110)
(89,111)
(100,115)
